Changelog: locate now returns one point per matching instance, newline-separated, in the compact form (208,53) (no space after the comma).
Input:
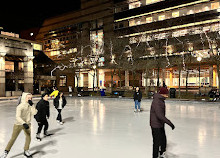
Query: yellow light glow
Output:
(162,10)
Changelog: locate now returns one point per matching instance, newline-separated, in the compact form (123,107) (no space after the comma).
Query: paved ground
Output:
(108,128)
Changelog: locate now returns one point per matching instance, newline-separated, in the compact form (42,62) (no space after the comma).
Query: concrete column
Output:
(126,78)
(171,78)
(28,74)
(211,76)
(2,75)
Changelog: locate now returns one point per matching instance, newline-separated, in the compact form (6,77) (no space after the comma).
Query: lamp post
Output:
(199,60)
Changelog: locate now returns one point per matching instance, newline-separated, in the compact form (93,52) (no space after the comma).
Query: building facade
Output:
(170,30)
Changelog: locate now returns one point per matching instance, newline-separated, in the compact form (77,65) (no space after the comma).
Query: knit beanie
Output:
(163,90)
(43,95)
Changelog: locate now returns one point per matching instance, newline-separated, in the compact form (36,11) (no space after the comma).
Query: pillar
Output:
(28,74)
(126,78)
(214,76)
(211,76)
(171,78)
(2,74)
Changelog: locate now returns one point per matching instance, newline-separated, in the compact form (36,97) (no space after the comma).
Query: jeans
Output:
(40,126)
(16,131)
(159,141)
(59,116)
(137,104)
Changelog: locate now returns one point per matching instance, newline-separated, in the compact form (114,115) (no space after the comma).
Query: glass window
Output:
(20,66)
(149,19)
(134,5)
(161,17)
(175,14)
(9,66)
(62,81)
(215,5)
(132,22)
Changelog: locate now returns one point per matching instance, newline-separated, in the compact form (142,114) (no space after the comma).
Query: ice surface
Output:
(108,128)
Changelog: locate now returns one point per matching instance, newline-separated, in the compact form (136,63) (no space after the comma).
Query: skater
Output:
(59,104)
(54,93)
(157,121)
(24,111)
(42,115)
(137,99)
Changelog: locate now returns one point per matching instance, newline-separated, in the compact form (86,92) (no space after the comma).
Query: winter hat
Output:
(43,95)
(163,90)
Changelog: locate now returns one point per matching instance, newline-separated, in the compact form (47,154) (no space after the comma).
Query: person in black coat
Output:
(137,99)
(42,115)
(59,104)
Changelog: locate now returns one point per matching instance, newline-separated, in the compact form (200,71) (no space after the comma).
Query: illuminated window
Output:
(134,5)
(175,14)
(149,19)
(161,17)
(20,66)
(190,12)
(132,22)
(9,66)
(152,1)
(62,81)
(215,5)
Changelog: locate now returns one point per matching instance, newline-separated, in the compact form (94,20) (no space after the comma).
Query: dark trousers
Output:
(41,124)
(59,116)
(159,141)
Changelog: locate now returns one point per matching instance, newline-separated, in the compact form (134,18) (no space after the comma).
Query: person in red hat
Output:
(157,122)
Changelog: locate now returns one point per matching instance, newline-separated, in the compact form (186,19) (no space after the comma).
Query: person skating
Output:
(54,93)
(24,112)
(42,115)
(157,122)
(137,99)
(59,104)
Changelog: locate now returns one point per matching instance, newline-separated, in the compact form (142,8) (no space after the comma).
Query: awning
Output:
(14,58)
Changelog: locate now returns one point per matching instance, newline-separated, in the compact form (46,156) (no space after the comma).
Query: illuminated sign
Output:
(10,34)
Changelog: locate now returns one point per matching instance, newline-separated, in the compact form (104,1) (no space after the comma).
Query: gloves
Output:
(30,102)
(172,126)
(25,126)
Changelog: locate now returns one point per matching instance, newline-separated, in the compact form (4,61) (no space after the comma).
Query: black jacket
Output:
(56,102)
(137,96)
(43,110)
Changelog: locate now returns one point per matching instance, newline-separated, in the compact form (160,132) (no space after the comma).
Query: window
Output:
(134,5)
(132,22)
(9,66)
(175,14)
(215,5)
(149,19)
(21,66)
(62,81)
(161,17)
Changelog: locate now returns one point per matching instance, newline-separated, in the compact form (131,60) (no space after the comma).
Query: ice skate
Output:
(139,110)
(27,154)
(4,155)
(135,110)
(38,137)
(61,123)
(46,134)
(163,155)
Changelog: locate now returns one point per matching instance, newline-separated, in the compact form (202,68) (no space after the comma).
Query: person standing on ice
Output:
(42,115)
(24,112)
(157,122)
(137,99)
(59,103)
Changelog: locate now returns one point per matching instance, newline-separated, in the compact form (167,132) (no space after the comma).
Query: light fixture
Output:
(199,58)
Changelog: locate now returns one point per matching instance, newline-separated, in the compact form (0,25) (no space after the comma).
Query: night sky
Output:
(16,16)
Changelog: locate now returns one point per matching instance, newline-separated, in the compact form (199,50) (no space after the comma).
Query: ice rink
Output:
(108,128)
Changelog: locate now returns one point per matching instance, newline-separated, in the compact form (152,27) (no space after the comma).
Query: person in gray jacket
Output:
(157,122)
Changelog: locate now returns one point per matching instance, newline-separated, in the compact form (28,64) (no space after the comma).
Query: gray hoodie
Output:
(24,111)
